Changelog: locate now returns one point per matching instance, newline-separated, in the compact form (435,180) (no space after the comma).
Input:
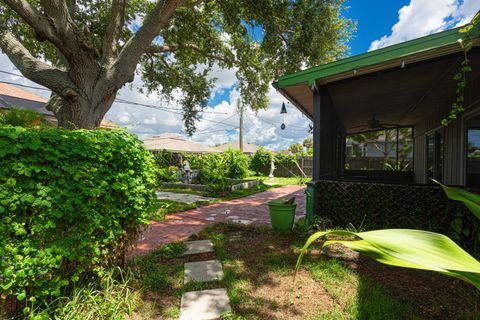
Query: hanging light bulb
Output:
(284,108)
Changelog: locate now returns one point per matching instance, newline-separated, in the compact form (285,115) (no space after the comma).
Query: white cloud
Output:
(423,17)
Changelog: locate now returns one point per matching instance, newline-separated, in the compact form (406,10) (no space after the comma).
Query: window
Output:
(390,149)
(434,155)
(473,152)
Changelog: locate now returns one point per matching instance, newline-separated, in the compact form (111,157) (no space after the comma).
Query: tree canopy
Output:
(85,51)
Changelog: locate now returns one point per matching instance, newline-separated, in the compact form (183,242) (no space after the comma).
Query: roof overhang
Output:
(298,87)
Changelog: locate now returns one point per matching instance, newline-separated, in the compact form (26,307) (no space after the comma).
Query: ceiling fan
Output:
(374,123)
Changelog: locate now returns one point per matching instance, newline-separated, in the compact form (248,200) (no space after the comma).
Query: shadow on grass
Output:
(259,272)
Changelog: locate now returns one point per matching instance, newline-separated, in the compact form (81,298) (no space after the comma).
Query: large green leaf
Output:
(410,249)
(471,200)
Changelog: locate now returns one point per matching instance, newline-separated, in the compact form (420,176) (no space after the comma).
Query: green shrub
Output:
(21,117)
(214,171)
(165,159)
(237,163)
(70,201)
(169,174)
(285,160)
(260,162)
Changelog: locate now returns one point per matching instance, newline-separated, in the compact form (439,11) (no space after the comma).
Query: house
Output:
(175,143)
(11,96)
(407,89)
(248,148)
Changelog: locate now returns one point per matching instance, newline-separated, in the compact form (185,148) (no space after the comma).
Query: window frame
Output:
(396,148)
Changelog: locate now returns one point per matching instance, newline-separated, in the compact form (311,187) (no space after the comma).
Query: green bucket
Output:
(282,215)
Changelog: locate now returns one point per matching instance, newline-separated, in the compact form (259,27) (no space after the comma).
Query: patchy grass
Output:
(282,181)
(259,277)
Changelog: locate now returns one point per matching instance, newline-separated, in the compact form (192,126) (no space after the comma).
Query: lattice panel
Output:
(371,206)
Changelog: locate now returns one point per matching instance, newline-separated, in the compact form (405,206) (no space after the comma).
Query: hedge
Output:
(69,202)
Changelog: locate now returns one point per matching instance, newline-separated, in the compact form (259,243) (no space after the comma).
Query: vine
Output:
(461,76)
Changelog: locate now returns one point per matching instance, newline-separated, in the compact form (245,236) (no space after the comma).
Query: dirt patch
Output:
(259,266)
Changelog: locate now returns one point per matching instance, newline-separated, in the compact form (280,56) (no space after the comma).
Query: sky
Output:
(380,23)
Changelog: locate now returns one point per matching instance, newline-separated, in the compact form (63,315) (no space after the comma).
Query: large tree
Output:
(86,50)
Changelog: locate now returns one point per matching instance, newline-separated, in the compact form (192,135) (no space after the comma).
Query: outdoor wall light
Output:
(403,64)
(284,112)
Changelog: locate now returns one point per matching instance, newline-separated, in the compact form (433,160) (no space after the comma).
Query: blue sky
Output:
(380,23)
(374,19)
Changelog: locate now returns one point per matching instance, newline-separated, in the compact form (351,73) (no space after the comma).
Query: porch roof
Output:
(297,87)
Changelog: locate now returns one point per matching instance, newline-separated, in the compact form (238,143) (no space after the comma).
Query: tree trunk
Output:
(82,112)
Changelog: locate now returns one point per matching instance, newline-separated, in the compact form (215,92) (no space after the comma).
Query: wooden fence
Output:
(305,164)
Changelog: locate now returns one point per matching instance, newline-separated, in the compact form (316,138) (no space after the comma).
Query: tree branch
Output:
(114,30)
(59,12)
(157,48)
(124,66)
(42,26)
(36,70)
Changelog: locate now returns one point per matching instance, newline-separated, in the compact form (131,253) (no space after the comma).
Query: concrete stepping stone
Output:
(203,271)
(204,305)
(199,246)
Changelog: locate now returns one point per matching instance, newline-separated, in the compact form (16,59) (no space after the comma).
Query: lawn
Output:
(282,181)
(259,277)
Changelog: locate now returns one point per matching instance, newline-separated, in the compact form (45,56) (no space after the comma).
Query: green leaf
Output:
(471,200)
(407,248)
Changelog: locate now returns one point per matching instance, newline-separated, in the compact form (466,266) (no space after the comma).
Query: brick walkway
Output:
(247,210)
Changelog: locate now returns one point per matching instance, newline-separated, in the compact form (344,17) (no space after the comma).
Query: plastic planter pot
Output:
(282,215)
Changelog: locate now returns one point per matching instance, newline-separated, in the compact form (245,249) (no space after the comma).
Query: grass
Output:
(109,297)
(258,275)
(282,181)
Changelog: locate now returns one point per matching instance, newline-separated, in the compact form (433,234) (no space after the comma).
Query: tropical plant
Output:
(416,249)
(295,148)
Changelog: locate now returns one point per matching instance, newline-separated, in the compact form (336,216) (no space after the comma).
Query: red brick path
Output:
(247,210)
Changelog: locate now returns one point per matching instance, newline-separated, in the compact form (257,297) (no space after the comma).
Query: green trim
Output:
(379,56)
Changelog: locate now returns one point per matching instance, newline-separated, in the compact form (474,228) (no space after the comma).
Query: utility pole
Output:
(240,109)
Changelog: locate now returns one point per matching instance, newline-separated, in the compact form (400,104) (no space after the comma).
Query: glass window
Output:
(390,149)
(473,152)
(434,159)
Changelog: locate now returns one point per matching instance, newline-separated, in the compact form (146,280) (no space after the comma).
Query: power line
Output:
(24,85)
(120,100)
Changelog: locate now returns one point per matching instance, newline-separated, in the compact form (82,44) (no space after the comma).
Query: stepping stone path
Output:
(204,304)
(203,271)
(200,246)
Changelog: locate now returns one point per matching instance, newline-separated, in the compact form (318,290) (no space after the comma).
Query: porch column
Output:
(317,104)
(316,134)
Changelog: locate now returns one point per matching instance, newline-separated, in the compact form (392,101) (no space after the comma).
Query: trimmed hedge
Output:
(70,201)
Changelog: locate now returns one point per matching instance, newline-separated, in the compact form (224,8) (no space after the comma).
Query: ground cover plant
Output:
(337,284)
(70,202)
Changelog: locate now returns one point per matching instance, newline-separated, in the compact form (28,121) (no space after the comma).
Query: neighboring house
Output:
(409,84)
(11,96)
(175,143)
(248,148)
